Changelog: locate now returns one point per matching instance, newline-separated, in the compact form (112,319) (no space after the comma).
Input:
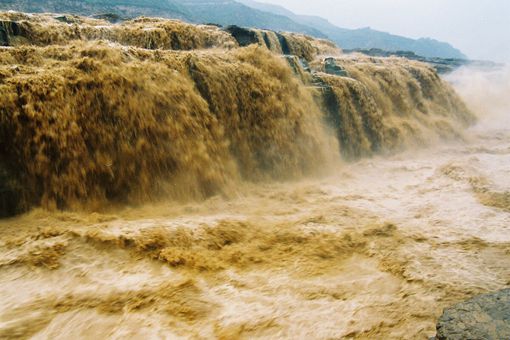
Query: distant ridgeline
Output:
(94,113)
(245,13)
(442,65)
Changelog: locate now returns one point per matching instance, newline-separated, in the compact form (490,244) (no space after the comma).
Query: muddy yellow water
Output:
(94,113)
(279,239)
(375,250)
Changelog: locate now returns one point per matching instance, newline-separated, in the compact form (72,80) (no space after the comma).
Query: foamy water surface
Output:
(375,250)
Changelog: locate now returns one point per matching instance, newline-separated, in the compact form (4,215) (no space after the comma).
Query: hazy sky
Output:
(480,28)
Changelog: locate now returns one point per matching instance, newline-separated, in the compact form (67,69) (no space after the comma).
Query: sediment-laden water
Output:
(301,245)
(376,250)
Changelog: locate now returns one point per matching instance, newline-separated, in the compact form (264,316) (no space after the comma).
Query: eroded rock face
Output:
(331,67)
(483,317)
(243,36)
(8,29)
(10,194)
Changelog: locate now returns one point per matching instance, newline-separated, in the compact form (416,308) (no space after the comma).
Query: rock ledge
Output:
(483,317)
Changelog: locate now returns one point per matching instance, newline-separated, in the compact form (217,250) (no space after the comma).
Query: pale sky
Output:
(479,28)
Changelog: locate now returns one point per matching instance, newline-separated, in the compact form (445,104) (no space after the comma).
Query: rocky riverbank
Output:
(483,317)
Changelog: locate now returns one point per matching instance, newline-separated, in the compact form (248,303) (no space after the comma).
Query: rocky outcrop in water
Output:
(331,67)
(10,194)
(483,317)
(8,30)
(243,36)
(284,43)
(441,65)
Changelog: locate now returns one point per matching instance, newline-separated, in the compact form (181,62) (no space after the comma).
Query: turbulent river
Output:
(374,250)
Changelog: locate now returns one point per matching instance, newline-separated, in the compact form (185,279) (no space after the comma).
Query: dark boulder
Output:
(110,17)
(298,65)
(10,194)
(4,37)
(8,30)
(244,36)
(331,67)
(483,317)
(300,68)
(213,24)
(284,44)
(68,19)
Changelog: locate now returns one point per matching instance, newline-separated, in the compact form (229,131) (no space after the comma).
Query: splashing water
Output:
(374,249)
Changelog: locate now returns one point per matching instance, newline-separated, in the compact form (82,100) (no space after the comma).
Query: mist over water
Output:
(486,91)
(374,248)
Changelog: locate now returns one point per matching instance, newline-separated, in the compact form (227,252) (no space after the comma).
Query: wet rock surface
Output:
(243,36)
(110,17)
(8,29)
(10,194)
(331,67)
(483,317)
(441,65)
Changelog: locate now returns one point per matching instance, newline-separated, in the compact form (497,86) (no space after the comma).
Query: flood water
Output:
(376,249)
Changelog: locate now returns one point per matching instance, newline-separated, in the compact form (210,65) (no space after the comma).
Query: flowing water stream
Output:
(256,229)
(374,250)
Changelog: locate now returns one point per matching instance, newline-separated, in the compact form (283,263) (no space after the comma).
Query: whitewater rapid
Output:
(375,250)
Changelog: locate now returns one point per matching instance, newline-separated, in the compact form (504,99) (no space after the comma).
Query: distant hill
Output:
(222,12)
(247,13)
(365,38)
(89,7)
(229,12)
